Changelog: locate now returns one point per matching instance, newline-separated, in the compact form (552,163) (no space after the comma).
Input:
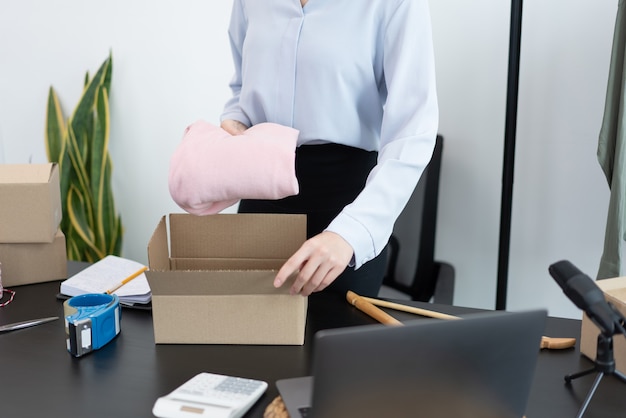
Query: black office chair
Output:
(412,269)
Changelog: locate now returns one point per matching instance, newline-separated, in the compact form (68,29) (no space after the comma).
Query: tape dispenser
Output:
(91,321)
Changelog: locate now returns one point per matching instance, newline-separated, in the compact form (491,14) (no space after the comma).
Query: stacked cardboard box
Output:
(32,246)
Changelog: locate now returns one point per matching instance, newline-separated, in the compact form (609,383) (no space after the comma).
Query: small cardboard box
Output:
(27,263)
(212,280)
(30,207)
(615,293)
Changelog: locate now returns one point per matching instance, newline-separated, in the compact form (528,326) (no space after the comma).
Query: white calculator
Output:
(210,395)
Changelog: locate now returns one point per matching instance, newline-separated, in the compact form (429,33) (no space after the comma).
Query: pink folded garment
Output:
(212,169)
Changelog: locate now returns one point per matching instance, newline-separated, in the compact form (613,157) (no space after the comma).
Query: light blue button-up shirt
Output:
(354,72)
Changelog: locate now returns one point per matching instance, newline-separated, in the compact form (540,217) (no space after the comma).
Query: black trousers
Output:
(330,176)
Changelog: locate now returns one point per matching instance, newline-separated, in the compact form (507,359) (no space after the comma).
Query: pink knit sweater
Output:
(212,170)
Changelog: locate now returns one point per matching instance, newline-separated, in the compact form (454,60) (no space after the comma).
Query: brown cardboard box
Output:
(211,281)
(30,207)
(33,262)
(615,293)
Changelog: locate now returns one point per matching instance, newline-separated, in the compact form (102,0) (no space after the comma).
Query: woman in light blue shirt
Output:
(357,79)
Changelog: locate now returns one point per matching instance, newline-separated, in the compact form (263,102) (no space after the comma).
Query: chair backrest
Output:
(412,268)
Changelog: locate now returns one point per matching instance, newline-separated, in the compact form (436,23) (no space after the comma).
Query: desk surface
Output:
(125,377)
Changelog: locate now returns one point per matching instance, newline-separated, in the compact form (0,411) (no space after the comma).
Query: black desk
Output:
(123,379)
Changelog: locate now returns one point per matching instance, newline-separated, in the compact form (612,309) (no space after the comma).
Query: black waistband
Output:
(332,173)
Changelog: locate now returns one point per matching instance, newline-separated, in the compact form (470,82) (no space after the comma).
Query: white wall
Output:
(172,66)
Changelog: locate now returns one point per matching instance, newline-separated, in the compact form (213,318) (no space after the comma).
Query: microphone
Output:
(586,295)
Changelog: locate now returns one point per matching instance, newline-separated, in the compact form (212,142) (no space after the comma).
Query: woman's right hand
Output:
(233,127)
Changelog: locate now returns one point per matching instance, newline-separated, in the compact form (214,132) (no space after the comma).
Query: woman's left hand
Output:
(318,262)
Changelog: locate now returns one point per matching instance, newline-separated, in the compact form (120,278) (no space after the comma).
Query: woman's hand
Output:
(318,262)
(233,127)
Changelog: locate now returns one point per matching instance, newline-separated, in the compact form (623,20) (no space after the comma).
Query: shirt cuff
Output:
(357,236)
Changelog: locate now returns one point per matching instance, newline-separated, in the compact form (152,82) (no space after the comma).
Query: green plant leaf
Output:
(80,222)
(99,154)
(108,73)
(111,223)
(80,170)
(116,239)
(81,145)
(73,252)
(55,128)
(82,118)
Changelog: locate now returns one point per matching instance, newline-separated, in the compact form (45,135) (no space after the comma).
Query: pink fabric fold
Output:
(212,170)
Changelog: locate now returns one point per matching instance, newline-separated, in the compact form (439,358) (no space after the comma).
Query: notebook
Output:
(480,366)
(110,273)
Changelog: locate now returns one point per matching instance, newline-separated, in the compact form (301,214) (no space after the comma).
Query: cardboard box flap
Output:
(611,284)
(158,253)
(30,206)
(247,236)
(26,173)
(618,294)
(615,288)
(214,283)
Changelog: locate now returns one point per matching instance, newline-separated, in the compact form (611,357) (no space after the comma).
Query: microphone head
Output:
(562,271)
(585,294)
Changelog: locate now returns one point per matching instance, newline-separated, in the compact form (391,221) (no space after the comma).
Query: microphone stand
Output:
(604,364)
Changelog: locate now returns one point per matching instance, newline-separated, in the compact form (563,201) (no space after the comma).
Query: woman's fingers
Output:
(317,263)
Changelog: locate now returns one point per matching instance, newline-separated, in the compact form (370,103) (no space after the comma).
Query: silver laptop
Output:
(480,366)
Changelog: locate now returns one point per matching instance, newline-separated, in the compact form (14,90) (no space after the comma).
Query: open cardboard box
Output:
(27,263)
(211,279)
(615,293)
(30,207)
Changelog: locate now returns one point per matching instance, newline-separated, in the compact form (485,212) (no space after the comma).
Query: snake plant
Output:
(80,146)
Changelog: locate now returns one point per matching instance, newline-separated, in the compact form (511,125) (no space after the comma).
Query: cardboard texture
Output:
(211,279)
(30,208)
(615,293)
(27,263)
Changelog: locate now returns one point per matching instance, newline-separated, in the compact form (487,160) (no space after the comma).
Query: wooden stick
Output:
(550,343)
(409,309)
(376,313)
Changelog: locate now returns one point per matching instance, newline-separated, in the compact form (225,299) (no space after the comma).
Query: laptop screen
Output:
(481,366)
